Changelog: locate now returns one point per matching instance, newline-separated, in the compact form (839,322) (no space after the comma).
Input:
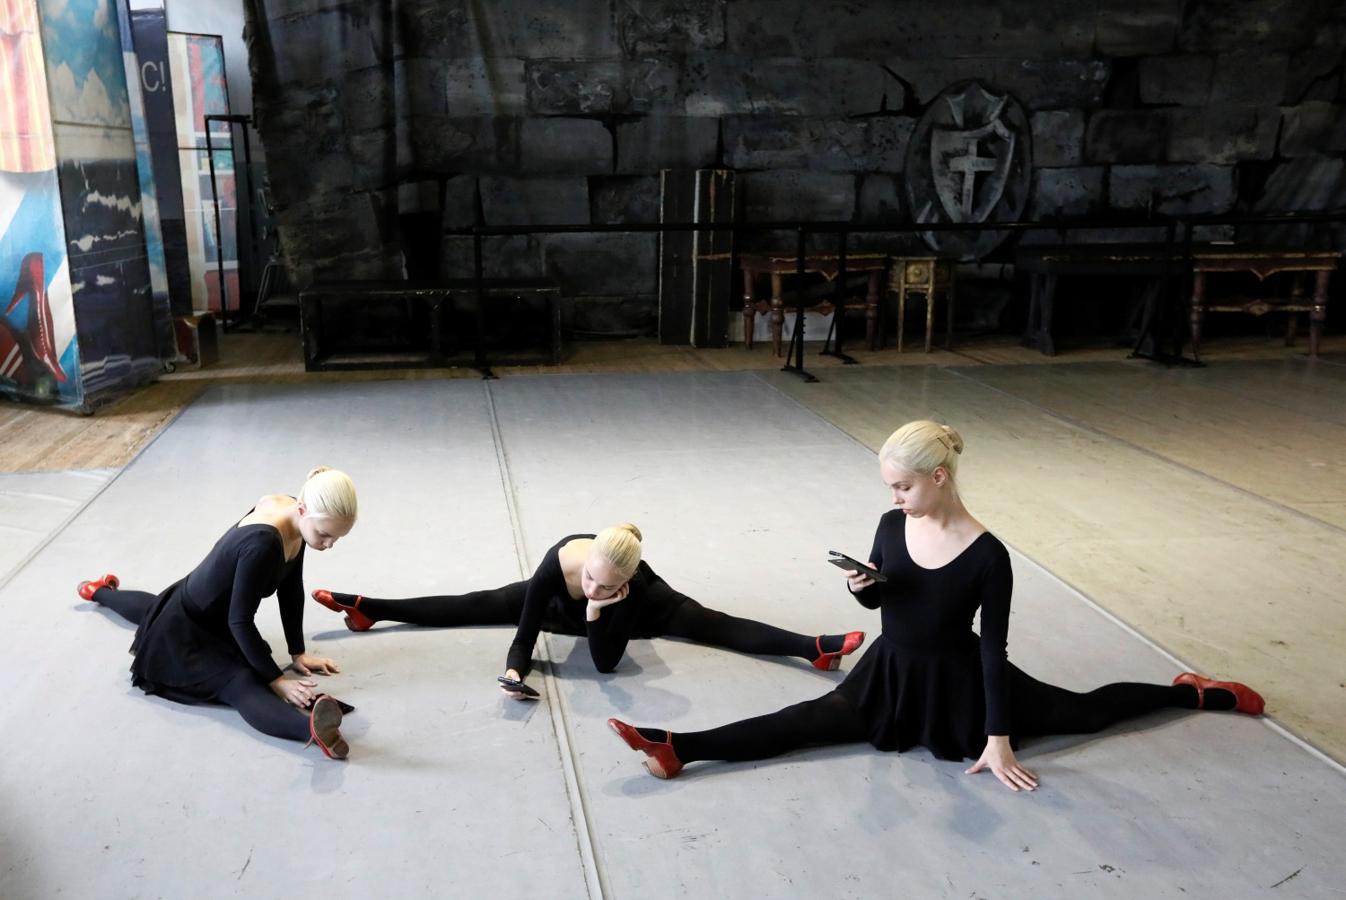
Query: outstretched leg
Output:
(499,606)
(1043,709)
(130,605)
(694,622)
(262,709)
(830,719)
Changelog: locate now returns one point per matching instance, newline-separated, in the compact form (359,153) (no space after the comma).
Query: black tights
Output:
(247,692)
(1042,709)
(688,619)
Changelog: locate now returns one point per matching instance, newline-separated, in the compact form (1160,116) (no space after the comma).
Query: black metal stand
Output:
(215,196)
(1163,309)
(480,362)
(839,308)
(796,351)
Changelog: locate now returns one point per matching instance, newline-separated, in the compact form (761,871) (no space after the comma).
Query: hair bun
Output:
(633,529)
(955,439)
(318,470)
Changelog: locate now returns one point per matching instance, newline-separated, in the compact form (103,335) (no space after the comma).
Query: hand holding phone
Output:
(842,561)
(515,686)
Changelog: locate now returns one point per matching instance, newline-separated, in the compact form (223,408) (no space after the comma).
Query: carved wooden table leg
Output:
(1318,315)
(950,294)
(777,313)
(929,316)
(1198,311)
(1296,299)
(749,308)
(871,310)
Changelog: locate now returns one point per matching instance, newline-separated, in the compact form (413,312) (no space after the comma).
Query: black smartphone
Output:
(842,561)
(511,684)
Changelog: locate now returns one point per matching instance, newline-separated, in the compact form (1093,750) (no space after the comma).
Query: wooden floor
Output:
(36,439)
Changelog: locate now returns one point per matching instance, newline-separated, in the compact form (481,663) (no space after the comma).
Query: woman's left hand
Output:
(999,758)
(314,665)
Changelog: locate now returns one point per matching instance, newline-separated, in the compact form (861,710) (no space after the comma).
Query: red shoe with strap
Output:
(88,588)
(1246,699)
(355,620)
(662,761)
(324,727)
(829,662)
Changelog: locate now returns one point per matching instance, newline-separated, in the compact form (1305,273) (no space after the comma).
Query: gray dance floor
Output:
(453,790)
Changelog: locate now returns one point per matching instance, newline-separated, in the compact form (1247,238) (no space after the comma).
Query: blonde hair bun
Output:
(620,545)
(633,529)
(329,492)
(923,446)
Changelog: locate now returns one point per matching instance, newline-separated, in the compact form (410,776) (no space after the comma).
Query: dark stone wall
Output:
(384,118)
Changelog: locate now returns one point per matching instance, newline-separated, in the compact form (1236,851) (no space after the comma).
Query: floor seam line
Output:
(596,883)
(13,573)
(1083,426)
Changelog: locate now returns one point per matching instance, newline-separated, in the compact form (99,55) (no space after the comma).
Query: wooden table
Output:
(1264,262)
(926,275)
(780,266)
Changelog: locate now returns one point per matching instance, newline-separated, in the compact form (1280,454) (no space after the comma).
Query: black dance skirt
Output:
(912,698)
(180,658)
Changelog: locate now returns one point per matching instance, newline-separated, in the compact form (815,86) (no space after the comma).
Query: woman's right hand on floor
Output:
(297,692)
(517,695)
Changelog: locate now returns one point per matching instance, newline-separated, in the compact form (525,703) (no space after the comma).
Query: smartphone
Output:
(511,684)
(842,561)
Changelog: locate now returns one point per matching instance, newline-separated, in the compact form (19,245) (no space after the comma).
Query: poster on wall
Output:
(196,66)
(149,201)
(39,354)
(100,196)
(149,30)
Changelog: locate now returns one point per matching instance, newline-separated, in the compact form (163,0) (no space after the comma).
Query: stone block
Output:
(502,256)
(559,87)
(534,201)
(371,160)
(490,86)
(1249,79)
(880,198)
(423,84)
(622,200)
(1313,74)
(1223,134)
(1127,136)
(876,144)
(1308,183)
(1137,27)
(1058,137)
(1184,80)
(788,195)
(721,85)
(366,97)
(1271,25)
(1313,128)
(1036,83)
(461,202)
(350,36)
(451,144)
(417,197)
(663,142)
(1174,189)
(524,29)
(560,146)
(910,28)
(669,26)
(602,264)
(635,315)
(1068,192)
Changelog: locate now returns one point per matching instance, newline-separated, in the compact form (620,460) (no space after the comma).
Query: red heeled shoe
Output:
(324,726)
(355,620)
(88,588)
(829,662)
(1246,699)
(41,333)
(662,761)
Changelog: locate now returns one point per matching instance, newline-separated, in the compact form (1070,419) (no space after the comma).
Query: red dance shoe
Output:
(88,588)
(324,724)
(662,761)
(1248,700)
(829,662)
(355,620)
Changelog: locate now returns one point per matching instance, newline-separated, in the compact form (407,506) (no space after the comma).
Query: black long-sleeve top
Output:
(224,592)
(931,610)
(547,595)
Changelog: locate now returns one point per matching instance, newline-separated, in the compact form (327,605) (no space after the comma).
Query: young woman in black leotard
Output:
(595,586)
(929,680)
(197,642)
